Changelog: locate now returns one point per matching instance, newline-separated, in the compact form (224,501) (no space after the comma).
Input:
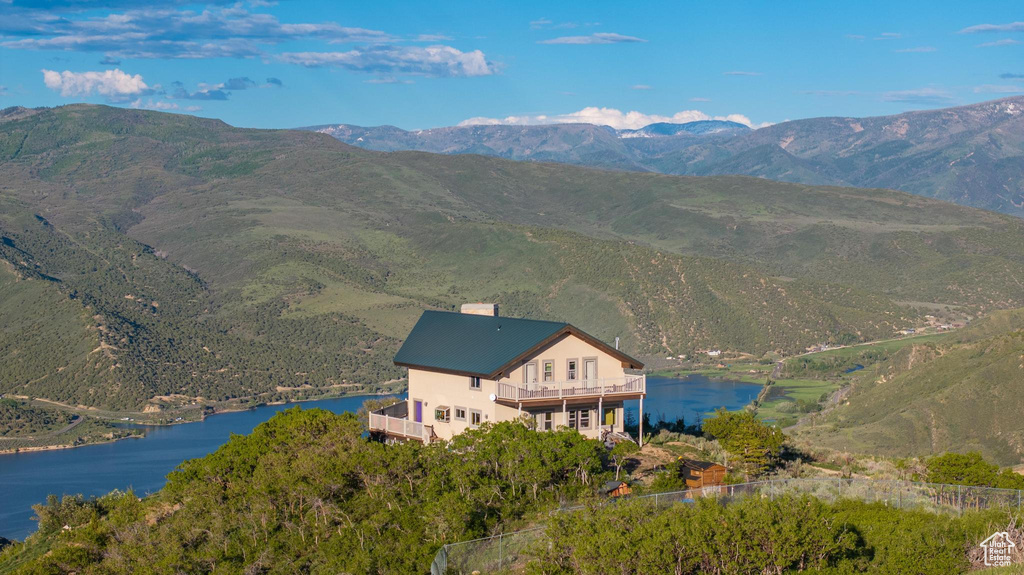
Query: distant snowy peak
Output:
(700,128)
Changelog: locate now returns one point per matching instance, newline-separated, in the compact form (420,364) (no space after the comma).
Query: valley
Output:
(159,263)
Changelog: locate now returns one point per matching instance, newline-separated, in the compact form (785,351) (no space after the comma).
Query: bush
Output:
(971,469)
(759,536)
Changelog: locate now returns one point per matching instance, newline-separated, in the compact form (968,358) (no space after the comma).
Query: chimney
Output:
(490,309)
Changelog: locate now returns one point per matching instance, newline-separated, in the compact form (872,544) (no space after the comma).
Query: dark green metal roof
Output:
(483,346)
(472,344)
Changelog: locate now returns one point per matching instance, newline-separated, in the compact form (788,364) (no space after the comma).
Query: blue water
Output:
(857,367)
(141,464)
(692,397)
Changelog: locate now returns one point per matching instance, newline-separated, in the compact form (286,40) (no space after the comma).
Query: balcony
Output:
(630,385)
(394,422)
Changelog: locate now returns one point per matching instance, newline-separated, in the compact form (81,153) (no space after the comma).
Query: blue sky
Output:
(419,64)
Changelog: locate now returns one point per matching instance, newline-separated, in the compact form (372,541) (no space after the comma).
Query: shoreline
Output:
(55,447)
(36,449)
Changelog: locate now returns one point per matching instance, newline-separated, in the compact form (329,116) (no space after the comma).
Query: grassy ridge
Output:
(962,392)
(286,261)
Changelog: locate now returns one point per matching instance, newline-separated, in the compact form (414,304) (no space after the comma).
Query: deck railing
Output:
(401,427)
(630,384)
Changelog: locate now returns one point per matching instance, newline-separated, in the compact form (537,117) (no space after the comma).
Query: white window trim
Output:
(470,417)
(575,372)
(455,413)
(544,363)
(447,418)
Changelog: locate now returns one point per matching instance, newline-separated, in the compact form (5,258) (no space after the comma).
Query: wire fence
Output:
(509,551)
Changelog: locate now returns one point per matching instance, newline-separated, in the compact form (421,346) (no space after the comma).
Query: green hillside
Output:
(963,393)
(161,258)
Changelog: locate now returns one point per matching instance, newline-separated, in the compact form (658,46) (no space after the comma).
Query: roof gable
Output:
(483,346)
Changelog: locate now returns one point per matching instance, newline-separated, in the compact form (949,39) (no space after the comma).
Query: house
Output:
(714,353)
(469,368)
(700,474)
(615,489)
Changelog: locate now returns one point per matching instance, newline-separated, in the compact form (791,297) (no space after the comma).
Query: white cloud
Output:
(609,117)
(1010,27)
(439,61)
(111,83)
(698,99)
(919,96)
(916,49)
(596,38)
(161,105)
(151,105)
(1003,42)
(889,36)
(641,87)
(998,89)
(545,23)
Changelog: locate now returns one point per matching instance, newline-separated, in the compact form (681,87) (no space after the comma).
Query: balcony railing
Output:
(400,426)
(602,387)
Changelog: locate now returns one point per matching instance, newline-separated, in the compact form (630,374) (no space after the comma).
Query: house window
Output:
(442,413)
(549,370)
(545,421)
(460,413)
(474,417)
(474,383)
(579,418)
(570,370)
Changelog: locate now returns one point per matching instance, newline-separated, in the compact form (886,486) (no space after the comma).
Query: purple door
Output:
(417,411)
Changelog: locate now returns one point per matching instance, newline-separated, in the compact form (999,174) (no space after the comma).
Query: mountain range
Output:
(152,260)
(972,155)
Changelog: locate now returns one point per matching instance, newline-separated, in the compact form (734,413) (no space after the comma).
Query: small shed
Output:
(699,474)
(615,489)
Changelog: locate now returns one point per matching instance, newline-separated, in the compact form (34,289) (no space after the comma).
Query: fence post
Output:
(501,537)
(960,499)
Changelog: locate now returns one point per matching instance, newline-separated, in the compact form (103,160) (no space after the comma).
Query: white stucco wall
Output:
(453,391)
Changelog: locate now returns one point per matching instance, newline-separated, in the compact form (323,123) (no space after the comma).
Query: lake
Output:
(694,395)
(140,464)
(143,464)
